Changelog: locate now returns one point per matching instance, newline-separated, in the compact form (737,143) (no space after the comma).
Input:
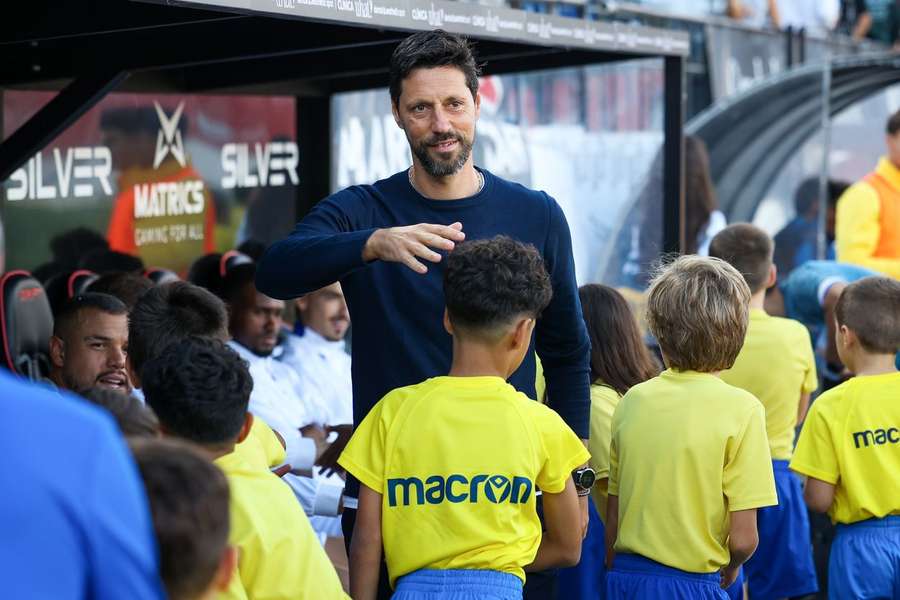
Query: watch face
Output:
(587,479)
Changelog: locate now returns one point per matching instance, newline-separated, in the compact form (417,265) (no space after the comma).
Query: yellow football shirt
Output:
(458,461)
(604,400)
(776,364)
(261,448)
(851,439)
(279,555)
(687,449)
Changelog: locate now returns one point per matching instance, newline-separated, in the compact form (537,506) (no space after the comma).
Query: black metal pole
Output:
(314,140)
(51,120)
(673,152)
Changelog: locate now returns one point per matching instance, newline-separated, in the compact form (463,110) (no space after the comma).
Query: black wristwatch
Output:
(584,479)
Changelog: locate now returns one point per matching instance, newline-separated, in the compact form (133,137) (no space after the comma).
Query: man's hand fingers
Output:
(453,232)
(410,261)
(435,241)
(423,251)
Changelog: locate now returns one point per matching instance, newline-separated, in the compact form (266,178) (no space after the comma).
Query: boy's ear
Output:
(448,326)
(773,276)
(396,112)
(245,428)
(57,351)
(227,567)
(522,333)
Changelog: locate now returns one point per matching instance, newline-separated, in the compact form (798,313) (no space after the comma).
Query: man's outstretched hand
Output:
(409,244)
(328,461)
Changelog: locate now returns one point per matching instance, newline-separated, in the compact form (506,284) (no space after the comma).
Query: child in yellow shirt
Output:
(619,360)
(188,498)
(776,364)
(450,467)
(849,448)
(689,459)
(200,390)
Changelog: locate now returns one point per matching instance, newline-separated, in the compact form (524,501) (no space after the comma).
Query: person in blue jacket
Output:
(74,518)
(385,243)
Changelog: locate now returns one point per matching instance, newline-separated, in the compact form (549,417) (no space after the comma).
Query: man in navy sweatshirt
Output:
(385,242)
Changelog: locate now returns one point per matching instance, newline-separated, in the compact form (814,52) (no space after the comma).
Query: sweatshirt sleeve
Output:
(561,338)
(857,230)
(324,247)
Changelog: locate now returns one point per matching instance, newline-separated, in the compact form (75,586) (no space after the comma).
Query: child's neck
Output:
(758,300)
(865,363)
(473,359)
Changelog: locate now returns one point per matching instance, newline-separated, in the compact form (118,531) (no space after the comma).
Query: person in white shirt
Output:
(318,351)
(278,396)
(817,17)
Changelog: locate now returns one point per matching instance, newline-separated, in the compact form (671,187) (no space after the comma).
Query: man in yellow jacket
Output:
(868,214)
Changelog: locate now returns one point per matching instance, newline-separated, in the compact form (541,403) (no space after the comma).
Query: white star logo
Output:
(168,139)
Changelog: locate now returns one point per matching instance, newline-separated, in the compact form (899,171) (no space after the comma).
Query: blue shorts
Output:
(865,560)
(458,584)
(782,565)
(634,577)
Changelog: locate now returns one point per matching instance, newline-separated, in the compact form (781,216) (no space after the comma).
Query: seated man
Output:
(318,353)
(90,339)
(200,390)
(278,397)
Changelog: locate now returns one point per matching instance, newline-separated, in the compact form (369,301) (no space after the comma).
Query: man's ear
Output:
(396,112)
(477,104)
(245,428)
(227,567)
(448,326)
(301,304)
(57,352)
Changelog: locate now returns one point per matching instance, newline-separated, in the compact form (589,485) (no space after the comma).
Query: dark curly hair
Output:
(428,50)
(199,389)
(488,283)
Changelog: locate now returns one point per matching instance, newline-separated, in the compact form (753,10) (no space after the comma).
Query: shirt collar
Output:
(246,354)
(317,339)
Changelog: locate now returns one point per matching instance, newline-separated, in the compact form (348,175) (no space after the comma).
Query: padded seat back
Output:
(26,324)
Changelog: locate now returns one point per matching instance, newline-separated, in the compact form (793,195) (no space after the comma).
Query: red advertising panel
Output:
(163,177)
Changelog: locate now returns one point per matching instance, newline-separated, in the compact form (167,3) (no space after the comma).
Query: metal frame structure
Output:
(752,136)
(310,49)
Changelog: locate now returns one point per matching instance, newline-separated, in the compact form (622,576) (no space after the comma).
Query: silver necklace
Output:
(409,174)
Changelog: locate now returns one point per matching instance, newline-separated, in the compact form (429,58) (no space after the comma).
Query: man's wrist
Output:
(368,252)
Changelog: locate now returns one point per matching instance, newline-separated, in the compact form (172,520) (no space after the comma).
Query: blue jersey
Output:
(74,519)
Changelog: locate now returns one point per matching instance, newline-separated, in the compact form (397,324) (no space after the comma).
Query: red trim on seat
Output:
(70,288)
(223,262)
(3,281)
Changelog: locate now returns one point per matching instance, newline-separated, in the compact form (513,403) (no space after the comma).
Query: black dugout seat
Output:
(26,325)
(66,285)
(158,275)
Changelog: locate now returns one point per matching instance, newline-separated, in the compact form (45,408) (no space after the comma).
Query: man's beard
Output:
(437,167)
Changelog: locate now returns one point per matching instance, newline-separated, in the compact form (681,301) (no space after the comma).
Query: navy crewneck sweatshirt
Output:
(397,314)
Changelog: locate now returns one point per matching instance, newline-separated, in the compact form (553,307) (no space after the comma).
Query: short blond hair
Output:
(698,309)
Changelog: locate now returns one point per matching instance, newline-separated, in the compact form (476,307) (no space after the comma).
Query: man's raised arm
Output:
(337,237)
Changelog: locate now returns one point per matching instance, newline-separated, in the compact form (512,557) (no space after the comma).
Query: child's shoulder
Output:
(790,327)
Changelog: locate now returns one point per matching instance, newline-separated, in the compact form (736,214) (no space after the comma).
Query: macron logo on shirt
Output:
(878,437)
(458,488)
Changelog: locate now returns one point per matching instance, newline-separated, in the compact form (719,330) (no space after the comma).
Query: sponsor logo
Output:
(77,171)
(876,437)
(30,293)
(168,139)
(276,163)
(457,488)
